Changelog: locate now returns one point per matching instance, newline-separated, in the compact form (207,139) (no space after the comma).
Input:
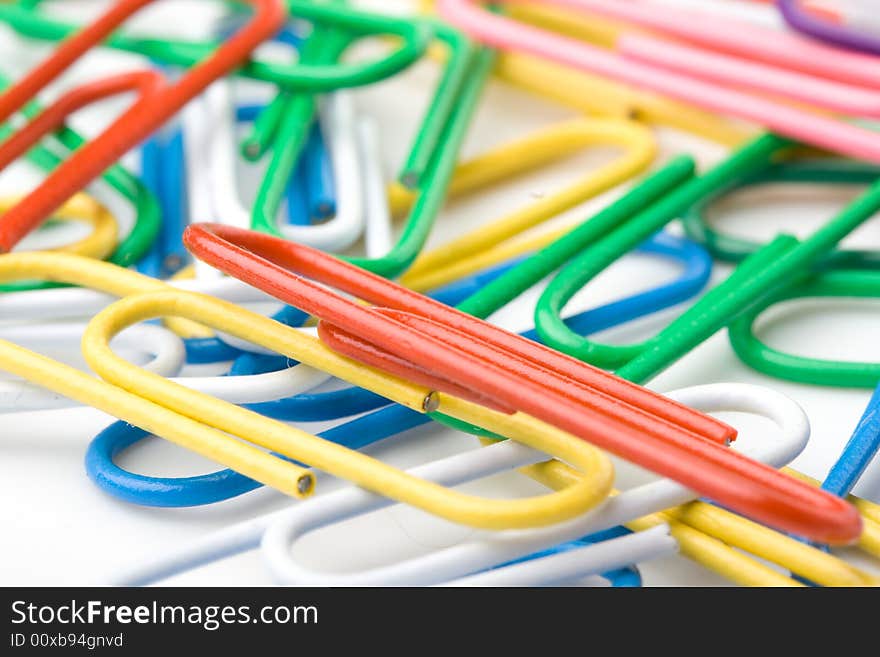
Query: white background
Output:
(57,528)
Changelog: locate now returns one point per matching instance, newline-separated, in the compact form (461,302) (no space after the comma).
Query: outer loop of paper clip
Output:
(852,284)
(223,484)
(824,172)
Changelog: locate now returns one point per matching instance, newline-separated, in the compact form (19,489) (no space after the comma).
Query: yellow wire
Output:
(591,94)
(100,243)
(715,555)
(639,151)
(330,457)
(508,160)
(489,258)
(210,443)
(870,511)
(804,560)
(234,436)
(714,537)
(577,25)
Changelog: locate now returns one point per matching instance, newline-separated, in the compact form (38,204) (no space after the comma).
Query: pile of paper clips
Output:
(378,334)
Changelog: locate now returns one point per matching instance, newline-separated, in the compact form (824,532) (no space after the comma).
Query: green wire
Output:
(435,181)
(295,113)
(777,268)
(414,38)
(442,107)
(838,283)
(432,158)
(591,263)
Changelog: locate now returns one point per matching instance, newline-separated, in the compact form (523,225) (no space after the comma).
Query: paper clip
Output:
(712,89)
(835,283)
(450,351)
(849,34)
(133,245)
(339,121)
(413,39)
(784,51)
(311,193)
(157,101)
(283,527)
(800,171)
(346,402)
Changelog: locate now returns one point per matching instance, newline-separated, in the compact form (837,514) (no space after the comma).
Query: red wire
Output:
(53,117)
(627,420)
(152,109)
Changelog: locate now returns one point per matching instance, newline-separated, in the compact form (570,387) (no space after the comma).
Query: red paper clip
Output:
(157,101)
(417,337)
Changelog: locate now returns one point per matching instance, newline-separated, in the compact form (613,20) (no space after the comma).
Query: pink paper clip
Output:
(721,65)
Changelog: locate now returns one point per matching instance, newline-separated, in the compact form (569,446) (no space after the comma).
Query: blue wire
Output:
(289,37)
(172,177)
(861,449)
(248,113)
(224,484)
(298,213)
(629,577)
(151,154)
(320,184)
(164,174)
